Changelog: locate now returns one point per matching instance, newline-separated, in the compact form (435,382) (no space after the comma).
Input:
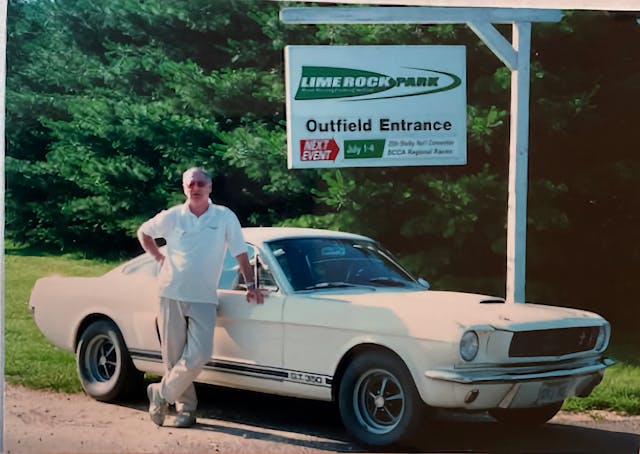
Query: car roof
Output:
(261,235)
(257,235)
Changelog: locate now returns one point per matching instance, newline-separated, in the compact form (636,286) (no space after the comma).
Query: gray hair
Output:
(187,173)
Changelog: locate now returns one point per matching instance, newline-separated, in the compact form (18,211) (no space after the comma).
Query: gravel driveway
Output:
(235,421)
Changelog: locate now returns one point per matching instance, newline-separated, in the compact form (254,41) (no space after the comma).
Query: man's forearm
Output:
(253,292)
(246,268)
(149,244)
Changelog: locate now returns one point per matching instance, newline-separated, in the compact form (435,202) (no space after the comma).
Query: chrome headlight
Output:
(469,345)
(603,337)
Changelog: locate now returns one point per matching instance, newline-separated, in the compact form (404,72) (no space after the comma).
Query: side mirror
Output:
(424,283)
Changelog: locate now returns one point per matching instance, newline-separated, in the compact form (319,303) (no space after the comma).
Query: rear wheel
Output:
(105,368)
(519,417)
(378,401)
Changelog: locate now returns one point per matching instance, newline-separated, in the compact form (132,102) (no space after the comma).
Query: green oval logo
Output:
(325,82)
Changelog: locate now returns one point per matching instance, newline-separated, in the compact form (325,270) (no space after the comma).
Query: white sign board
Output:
(373,106)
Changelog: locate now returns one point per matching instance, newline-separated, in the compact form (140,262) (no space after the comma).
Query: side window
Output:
(231,275)
(232,279)
(265,278)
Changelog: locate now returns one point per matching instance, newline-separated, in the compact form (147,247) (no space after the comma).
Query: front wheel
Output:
(105,368)
(378,401)
(522,417)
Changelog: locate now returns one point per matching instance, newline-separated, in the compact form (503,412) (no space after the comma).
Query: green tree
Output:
(109,102)
(587,101)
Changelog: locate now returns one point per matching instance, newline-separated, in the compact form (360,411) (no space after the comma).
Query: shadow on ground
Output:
(285,420)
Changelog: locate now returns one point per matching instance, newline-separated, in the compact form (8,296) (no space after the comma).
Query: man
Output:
(198,234)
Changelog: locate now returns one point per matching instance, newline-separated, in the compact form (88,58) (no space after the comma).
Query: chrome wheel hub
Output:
(379,401)
(101,360)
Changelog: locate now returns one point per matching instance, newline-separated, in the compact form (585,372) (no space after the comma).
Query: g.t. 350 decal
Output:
(305,378)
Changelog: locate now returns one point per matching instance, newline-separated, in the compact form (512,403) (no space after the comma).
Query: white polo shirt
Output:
(196,247)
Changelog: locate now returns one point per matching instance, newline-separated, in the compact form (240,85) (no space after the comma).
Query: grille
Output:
(553,342)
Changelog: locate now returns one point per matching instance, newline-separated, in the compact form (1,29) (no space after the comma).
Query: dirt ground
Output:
(41,421)
(238,422)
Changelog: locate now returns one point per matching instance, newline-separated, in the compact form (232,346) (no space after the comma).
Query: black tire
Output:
(105,368)
(525,417)
(378,401)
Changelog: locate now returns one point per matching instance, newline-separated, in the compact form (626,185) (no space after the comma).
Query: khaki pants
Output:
(186,332)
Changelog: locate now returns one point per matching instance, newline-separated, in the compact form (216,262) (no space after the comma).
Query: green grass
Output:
(30,359)
(33,362)
(620,389)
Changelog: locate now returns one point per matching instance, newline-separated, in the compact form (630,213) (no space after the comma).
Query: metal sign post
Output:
(518,165)
(516,56)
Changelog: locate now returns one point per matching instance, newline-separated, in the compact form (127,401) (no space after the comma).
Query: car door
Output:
(135,288)
(247,346)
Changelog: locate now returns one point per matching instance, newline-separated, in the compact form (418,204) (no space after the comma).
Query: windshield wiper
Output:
(336,284)
(388,281)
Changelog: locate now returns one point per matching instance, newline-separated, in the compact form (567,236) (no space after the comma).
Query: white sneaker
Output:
(185,419)
(158,407)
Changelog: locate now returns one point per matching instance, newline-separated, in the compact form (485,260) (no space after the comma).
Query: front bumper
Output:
(512,387)
(490,376)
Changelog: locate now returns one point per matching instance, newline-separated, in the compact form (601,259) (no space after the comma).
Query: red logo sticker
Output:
(318,150)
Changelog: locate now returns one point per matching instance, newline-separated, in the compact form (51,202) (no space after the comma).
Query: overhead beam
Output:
(414,15)
(595,5)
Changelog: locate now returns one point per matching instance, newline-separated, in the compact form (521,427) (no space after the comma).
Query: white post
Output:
(518,164)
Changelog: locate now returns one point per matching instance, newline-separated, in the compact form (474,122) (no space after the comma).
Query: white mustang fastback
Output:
(342,321)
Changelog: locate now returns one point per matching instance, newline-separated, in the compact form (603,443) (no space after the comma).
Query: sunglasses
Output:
(199,183)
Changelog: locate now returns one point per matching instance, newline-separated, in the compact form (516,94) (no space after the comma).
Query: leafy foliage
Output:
(122,97)
(107,103)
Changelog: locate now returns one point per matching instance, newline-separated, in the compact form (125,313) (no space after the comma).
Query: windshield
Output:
(314,263)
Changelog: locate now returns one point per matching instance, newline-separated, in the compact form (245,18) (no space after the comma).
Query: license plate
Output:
(553,392)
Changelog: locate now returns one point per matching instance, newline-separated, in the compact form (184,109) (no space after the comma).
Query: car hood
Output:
(429,310)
